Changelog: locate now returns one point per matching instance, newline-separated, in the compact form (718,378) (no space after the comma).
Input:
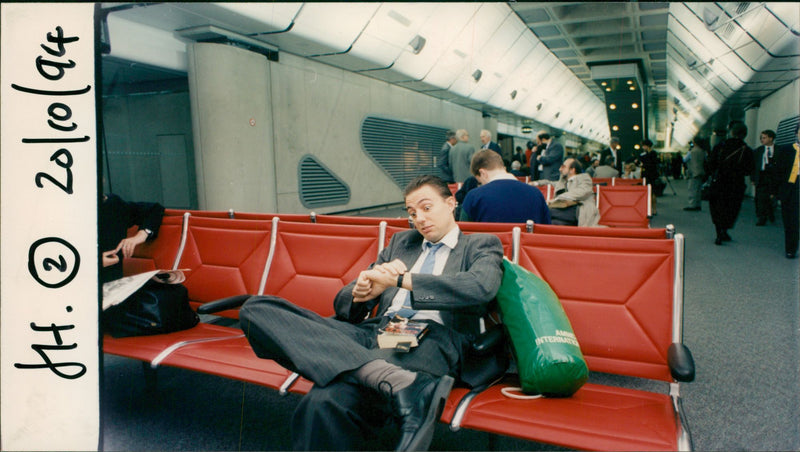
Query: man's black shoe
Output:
(791,255)
(692,209)
(726,237)
(418,407)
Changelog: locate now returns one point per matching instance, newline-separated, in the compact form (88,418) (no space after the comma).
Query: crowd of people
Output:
(717,174)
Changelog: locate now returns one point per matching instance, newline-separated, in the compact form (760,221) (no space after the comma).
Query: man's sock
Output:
(377,373)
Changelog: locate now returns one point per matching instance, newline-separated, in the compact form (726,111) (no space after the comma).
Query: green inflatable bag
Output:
(549,359)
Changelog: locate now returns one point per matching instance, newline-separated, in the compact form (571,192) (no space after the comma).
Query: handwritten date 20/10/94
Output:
(46,263)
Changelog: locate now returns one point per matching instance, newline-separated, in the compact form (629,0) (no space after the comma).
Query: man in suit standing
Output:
(443,162)
(765,179)
(551,158)
(487,143)
(613,151)
(357,386)
(787,162)
(461,156)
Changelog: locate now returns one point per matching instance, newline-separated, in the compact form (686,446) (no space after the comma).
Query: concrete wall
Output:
(783,104)
(150,151)
(318,109)
(232,123)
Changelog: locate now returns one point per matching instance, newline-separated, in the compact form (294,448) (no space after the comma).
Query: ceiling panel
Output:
(686,64)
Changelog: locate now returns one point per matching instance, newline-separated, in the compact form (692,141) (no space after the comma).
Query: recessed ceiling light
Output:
(615,128)
(630,82)
(632,88)
(636,146)
(608,89)
(634,105)
(612,106)
(603,83)
(635,127)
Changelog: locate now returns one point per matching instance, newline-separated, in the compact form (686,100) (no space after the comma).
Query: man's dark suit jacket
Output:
(463,292)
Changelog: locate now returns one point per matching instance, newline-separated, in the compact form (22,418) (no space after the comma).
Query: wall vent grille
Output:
(403,150)
(319,187)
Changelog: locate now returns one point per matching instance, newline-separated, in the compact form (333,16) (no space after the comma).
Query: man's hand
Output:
(127,245)
(371,283)
(110,258)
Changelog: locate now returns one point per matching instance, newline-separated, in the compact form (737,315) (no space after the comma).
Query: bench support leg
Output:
(150,377)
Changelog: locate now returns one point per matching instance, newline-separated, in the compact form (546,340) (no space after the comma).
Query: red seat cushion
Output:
(596,417)
(231,358)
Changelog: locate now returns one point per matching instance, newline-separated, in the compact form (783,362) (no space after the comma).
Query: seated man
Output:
(501,198)
(606,169)
(358,386)
(574,202)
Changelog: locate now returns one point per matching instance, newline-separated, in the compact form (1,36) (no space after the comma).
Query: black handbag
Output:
(156,308)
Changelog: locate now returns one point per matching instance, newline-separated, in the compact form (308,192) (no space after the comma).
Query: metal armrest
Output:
(488,342)
(681,363)
(223,304)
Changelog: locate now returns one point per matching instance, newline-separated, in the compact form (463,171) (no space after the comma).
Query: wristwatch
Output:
(400,280)
(148,232)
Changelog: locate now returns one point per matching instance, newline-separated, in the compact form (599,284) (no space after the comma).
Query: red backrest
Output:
(547,191)
(617,293)
(225,257)
(369,221)
(502,230)
(198,213)
(294,217)
(622,181)
(624,206)
(606,181)
(631,233)
(158,254)
(453,188)
(313,261)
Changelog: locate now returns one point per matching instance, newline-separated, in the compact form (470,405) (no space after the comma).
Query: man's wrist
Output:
(400,280)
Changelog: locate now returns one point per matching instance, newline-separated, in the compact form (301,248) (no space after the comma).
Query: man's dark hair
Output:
(769,133)
(529,144)
(486,159)
(576,165)
(543,136)
(436,182)
(738,129)
(647,142)
(701,142)
(450,134)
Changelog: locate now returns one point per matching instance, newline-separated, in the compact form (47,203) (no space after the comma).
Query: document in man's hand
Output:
(117,291)
(402,334)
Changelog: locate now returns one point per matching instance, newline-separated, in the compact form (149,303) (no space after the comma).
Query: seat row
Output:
(622,295)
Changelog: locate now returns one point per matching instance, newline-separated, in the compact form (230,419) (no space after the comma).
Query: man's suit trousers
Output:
(321,348)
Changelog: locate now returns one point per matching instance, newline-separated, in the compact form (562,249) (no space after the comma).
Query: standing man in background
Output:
(443,163)
(461,156)
(487,143)
(765,179)
(695,160)
(787,161)
(613,151)
(551,158)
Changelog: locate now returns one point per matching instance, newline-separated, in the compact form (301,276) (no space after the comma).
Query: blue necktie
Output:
(427,268)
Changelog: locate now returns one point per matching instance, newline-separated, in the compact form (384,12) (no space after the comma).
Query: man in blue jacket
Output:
(501,197)
(551,158)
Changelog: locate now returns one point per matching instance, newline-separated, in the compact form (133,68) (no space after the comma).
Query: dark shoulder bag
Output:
(156,308)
